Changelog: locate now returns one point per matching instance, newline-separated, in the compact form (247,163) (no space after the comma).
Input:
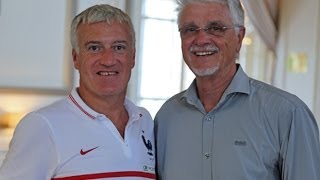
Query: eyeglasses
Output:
(189,31)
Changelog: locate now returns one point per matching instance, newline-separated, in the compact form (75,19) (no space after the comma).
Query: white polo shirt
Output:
(68,140)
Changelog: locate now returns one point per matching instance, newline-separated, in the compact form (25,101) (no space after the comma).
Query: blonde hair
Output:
(99,13)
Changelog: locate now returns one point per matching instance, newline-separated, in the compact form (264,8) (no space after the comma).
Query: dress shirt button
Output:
(208,118)
(207,155)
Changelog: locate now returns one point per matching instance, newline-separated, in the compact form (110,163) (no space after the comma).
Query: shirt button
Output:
(99,117)
(207,155)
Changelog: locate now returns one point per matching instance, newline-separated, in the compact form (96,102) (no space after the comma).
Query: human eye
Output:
(120,48)
(189,29)
(215,29)
(94,48)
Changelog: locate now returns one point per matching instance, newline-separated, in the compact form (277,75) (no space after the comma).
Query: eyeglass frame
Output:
(222,29)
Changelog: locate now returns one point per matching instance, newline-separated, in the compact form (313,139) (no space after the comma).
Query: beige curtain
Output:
(263,15)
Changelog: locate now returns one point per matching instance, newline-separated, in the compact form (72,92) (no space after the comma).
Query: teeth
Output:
(203,53)
(107,73)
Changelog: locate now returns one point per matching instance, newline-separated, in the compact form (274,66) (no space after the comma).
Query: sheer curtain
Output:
(263,15)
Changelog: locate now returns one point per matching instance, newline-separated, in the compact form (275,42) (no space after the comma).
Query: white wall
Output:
(34,53)
(317,74)
(33,45)
(299,32)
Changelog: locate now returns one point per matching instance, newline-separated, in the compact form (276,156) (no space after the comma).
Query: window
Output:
(162,70)
(255,58)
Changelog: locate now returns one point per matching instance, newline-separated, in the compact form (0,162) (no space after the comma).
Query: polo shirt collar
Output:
(81,105)
(133,111)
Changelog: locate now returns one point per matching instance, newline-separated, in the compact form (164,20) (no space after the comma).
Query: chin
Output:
(112,91)
(206,71)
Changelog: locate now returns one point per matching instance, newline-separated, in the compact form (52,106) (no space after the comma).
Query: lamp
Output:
(10,119)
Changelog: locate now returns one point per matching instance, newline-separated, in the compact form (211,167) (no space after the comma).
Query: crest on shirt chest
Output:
(147,143)
(149,167)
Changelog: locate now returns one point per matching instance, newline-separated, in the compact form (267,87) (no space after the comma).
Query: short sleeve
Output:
(32,153)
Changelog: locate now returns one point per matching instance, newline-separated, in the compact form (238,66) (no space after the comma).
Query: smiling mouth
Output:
(205,53)
(108,73)
(204,50)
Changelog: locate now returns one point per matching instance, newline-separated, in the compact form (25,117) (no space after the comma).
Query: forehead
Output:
(103,31)
(202,13)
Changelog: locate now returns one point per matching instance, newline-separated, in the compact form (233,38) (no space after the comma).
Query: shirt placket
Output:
(207,139)
(123,141)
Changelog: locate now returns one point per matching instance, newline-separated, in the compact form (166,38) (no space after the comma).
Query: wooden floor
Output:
(5,137)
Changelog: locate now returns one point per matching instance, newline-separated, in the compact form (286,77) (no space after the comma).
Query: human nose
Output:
(205,30)
(108,58)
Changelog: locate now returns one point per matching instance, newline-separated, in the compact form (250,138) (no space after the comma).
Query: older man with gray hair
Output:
(227,126)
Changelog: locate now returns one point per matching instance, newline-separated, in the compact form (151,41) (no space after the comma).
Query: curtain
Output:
(263,15)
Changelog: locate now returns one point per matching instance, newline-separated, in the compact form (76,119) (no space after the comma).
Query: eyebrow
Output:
(123,41)
(187,24)
(215,23)
(92,42)
(99,42)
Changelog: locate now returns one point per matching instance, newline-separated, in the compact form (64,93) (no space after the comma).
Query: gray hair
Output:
(100,13)
(235,7)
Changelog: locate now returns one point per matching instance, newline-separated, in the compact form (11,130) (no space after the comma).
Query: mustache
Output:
(205,47)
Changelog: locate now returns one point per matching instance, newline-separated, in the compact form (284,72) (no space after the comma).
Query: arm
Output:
(31,154)
(300,150)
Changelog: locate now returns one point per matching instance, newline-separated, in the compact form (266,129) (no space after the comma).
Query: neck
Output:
(111,106)
(116,112)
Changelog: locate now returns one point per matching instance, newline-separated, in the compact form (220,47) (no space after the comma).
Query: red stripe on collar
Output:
(78,105)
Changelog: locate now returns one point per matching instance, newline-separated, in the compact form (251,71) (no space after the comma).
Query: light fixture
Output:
(10,119)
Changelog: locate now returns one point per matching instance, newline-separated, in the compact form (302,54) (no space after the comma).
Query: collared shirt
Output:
(69,140)
(256,131)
